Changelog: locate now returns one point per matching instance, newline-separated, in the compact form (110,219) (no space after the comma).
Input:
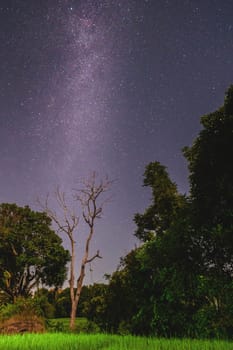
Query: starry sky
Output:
(106,86)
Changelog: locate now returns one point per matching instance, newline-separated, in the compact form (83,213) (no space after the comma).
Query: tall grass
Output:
(60,341)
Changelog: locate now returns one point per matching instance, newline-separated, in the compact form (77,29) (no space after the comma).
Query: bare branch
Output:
(94,257)
(88,197)
(68,223)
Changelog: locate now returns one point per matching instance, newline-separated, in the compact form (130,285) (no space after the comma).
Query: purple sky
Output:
(110,86)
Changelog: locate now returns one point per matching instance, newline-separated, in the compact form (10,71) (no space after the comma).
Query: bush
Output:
(212,323)
(22,316)
(21,306)
(82,325)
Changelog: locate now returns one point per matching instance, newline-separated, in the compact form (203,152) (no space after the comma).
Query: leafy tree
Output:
(174,262)
(31,253)
(165,202)
(154,293)
(62,303)
(123,295)
(93,303)
(211,179)
(147,293)
(179,281)
(211,168)
(45,301)
(189,241)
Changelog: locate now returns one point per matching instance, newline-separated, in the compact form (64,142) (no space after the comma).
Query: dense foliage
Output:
(31,253)
(179,281)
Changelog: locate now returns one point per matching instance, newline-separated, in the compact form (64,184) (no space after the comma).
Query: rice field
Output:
(64,341)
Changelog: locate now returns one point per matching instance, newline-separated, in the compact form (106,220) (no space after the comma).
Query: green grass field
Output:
(61,341)
(60,338)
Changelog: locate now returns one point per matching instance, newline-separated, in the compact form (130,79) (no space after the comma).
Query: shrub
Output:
(22,316)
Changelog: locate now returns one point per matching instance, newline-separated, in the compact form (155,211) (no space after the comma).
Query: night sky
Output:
(110,86)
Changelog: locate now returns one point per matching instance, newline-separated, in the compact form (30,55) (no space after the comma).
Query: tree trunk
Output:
(73,315)
(71,282)
(76,296)
(74,306)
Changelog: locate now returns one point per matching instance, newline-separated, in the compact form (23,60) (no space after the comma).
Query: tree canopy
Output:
(31,253)
(211,167)
(165,202)
(179,281)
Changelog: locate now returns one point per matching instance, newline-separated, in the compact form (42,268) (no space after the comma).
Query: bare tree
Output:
(89,198)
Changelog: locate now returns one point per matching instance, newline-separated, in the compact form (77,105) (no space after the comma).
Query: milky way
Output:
(78,114)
